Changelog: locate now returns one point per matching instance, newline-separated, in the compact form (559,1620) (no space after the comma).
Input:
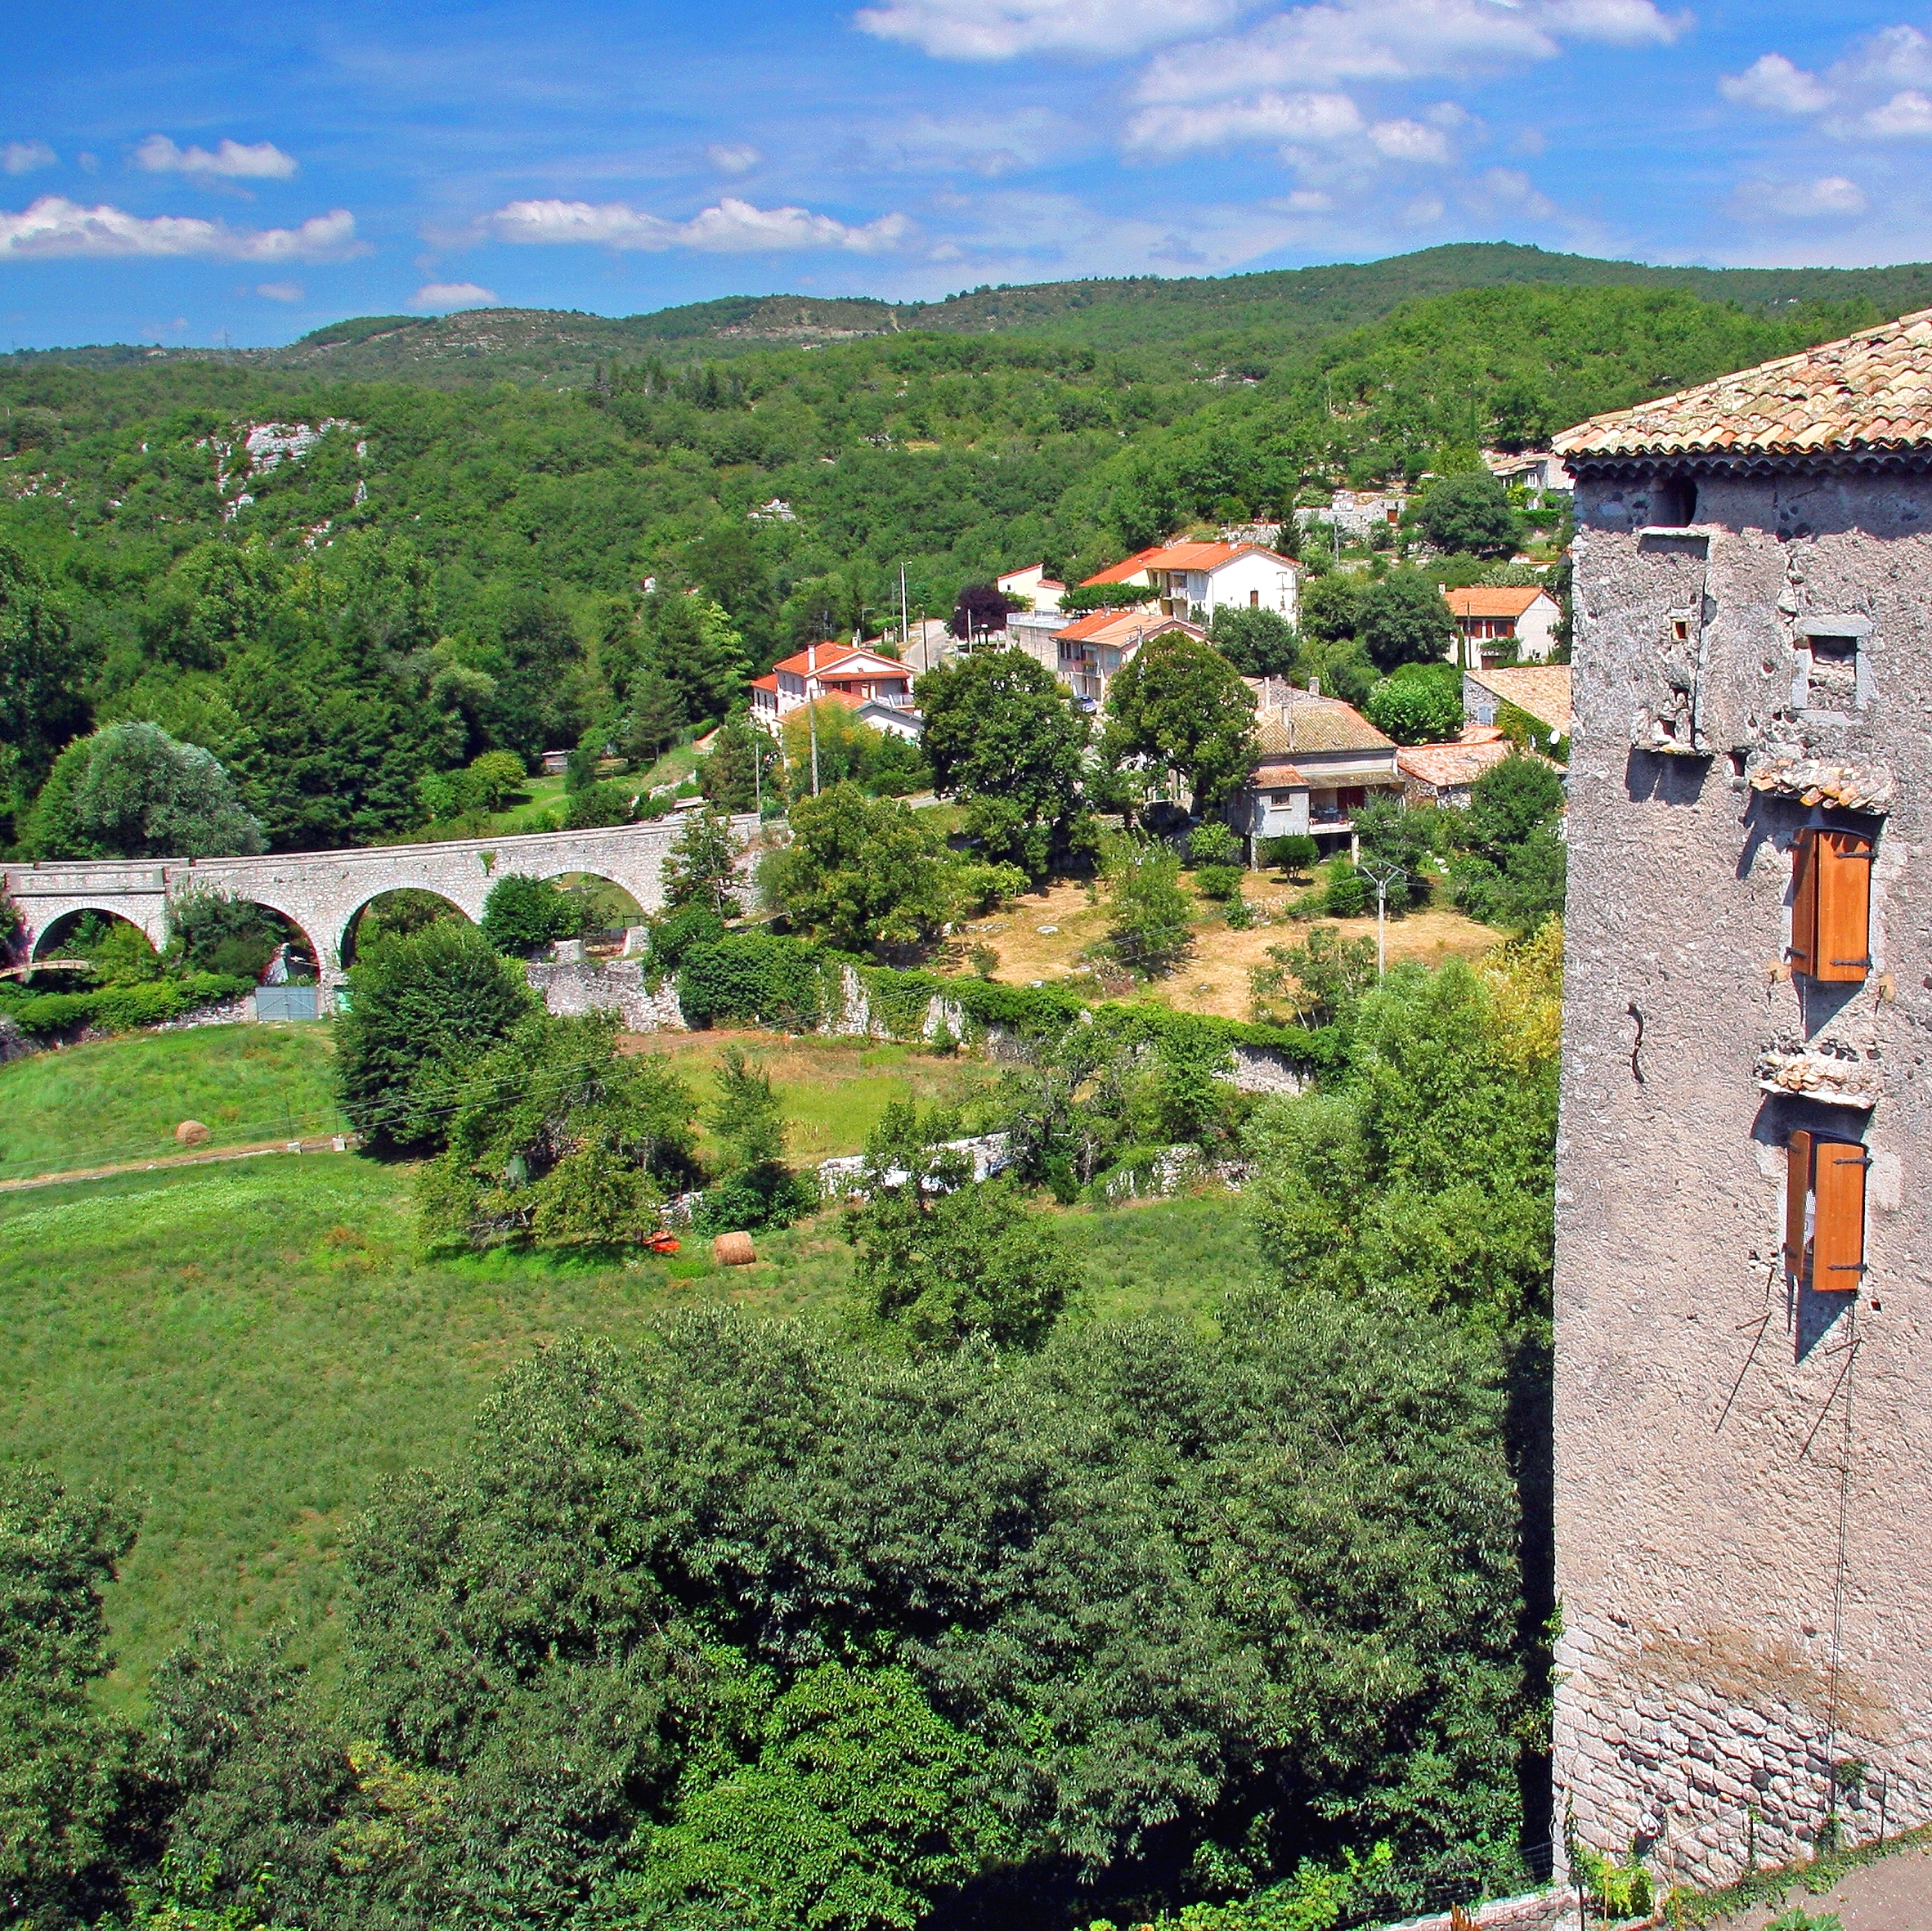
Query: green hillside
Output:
(1223,315)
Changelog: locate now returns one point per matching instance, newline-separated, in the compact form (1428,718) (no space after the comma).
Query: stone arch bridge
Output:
(322,893)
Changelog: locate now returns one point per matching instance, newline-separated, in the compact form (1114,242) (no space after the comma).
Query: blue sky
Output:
(255,172)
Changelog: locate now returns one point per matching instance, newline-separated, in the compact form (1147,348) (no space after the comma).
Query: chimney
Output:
(1315,687)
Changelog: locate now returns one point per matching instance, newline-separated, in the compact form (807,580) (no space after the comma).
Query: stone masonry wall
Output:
(1713,1432)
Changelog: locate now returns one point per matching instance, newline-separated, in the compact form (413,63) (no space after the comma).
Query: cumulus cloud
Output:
(1396,40)
(55,226)
(445,298)
(732,227)
(1832,197)
(733,157)
(1776,85)
(261,161)
(1906,116)
(1409,140)
(280,291)
(1305,117)
(998,29)
(23,157)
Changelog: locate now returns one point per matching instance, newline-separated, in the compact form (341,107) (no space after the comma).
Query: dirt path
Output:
(328,1144)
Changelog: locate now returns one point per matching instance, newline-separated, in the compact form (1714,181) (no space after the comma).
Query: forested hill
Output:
(1238,317)
(337,587)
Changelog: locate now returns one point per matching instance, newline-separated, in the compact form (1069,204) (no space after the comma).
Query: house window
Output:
(1673,502)
(1255,599)
(1832,907)
(1824,1214)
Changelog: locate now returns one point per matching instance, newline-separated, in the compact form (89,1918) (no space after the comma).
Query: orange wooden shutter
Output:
(1805,904)
(1797,1191)
(1838,1225)
(1843,906)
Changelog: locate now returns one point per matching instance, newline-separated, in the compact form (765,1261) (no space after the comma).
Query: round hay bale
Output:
(192,1133)
(733,1250)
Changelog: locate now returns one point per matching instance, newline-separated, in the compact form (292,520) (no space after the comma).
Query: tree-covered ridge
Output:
(1207,316)
(425,574)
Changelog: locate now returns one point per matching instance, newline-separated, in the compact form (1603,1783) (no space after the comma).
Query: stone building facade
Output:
(1743,1328)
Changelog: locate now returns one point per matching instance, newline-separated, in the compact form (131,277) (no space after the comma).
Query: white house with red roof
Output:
(876,687)
(1089,653)
(1493,623)
(1195,580)
(1318,762)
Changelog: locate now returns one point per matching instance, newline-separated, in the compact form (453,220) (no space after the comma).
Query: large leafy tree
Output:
(42,704)
(1405,620)
(1418,703)
(1003,737)
(71,1799)
(423,1008)
(1183,705)
(131,791)
(1257,642)
(1469,514)
(861,872)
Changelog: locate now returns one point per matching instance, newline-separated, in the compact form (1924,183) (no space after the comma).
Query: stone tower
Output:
(1743,1324)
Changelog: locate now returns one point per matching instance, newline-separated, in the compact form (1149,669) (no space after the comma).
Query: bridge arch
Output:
(52,929)
(284,910)
(410,916)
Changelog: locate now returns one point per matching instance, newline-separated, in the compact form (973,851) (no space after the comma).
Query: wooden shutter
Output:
(1805,905)
(1844,906)
(1831,908)
(1838,1222)
(1797,1198)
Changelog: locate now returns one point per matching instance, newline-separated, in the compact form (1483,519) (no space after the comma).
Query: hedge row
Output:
(122,1009)
(757,979)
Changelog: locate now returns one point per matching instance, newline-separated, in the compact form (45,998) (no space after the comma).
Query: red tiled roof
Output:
(1442,766)
(1481,601)
(768,682)
(1543,690)
(835,659)
(1123,626)
(1307,722)
(1181,556)
(1872,391)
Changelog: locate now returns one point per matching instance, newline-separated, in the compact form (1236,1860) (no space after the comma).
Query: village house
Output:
(1742,1414)
(1541,692)
(1540,471)
(1040,592)
(1195,580)
(875,688)
(1445,774)
(1087,653)
(1318,762)
(1492,624)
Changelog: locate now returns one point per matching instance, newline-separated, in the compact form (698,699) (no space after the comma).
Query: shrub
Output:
(421,1008)
(1292,852)
(1417,703)
(1219,882)
(209,932)
(753,978)
(1213,842)
(674,934)
(596,805)
(523,915)
(702,865)
(1347,893)
(1147,926)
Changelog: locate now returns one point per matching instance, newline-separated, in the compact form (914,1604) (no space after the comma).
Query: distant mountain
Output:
(1218,317)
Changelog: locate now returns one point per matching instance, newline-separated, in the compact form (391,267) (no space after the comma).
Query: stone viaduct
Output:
(322,893)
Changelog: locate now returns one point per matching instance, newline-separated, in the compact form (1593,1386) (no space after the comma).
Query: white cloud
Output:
(56,227)
(732,227)
(261,161)
(733,157)
(997,30)
(443,298)
(1178,130)
(1510,188)
(1409,140)
(1777,85)
(23,157)
(1396,40)
(280,291)
(1829,197)
(1906,116)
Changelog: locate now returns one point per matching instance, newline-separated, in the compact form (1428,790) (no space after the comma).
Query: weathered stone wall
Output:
(1717,1656)
(577,985)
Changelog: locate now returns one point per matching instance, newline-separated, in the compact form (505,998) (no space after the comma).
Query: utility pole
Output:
(905,629)
(1382,873)
(812,710)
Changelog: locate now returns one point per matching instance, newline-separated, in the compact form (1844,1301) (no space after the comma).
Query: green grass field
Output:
(254,1345)
(121,1099)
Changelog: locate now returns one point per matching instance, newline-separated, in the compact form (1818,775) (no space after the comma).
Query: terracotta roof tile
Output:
(1318,724)
(1481,601)
(1872,391)
(1442,766)
(1543,690)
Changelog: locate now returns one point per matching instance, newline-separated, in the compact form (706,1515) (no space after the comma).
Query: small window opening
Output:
(1255,599)
(1833,681)
(1740,761)
(1680,630)
(1824,1214)
(1831,907)
(1673,502)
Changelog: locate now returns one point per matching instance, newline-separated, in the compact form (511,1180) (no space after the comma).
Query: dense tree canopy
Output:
(1182,706)
(131,791)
